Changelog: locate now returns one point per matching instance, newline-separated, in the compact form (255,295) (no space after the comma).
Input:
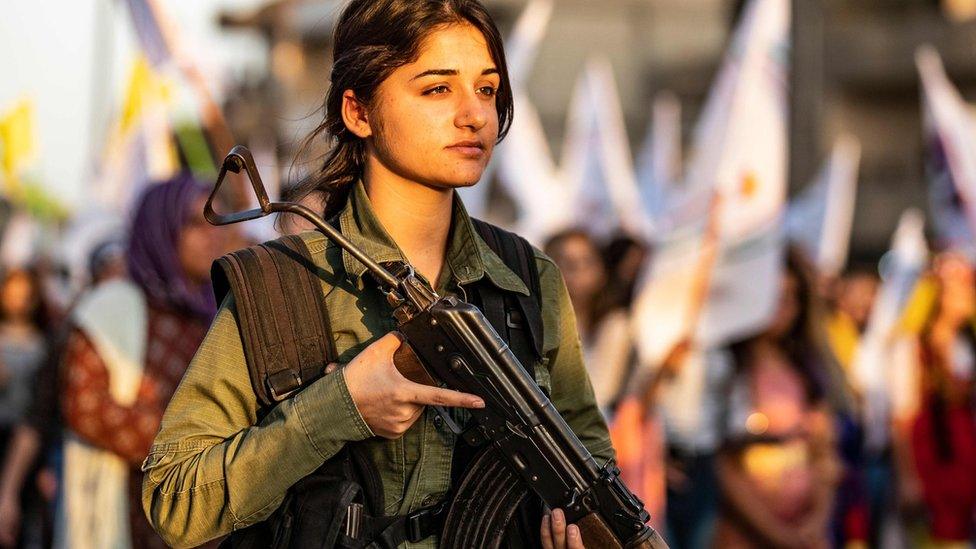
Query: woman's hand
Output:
(389,402)
(9,520)
(557,535)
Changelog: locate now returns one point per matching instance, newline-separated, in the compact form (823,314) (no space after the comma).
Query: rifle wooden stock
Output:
(409,365)
(596,533)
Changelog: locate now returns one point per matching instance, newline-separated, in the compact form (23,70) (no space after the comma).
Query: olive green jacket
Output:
(214,467)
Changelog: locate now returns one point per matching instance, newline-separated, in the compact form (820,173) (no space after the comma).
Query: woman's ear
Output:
(354,115)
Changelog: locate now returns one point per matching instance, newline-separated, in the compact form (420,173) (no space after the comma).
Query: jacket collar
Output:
(468,256)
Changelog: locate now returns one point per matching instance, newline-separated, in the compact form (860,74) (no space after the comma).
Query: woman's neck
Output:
(18,327)
(418,217)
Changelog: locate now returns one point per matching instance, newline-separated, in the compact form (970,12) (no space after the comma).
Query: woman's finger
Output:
(546,532)
(574,539)
(558,529)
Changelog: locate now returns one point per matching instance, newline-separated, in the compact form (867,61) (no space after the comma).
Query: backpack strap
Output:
(518,255)
(282,318)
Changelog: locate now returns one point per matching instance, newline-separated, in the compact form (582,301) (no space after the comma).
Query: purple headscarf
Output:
(153,257)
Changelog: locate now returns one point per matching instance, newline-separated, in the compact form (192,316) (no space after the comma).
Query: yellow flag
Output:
(920,305)
(17,139)
(144,89)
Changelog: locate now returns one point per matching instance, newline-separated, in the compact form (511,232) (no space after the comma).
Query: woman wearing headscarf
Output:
(130,343)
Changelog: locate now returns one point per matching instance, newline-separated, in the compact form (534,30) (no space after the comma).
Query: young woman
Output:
(23,349)
(419,98)
(130,343)
(778,465)
(603,325)
(937,468)
(22,346)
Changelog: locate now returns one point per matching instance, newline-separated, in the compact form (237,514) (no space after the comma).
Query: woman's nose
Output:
(472,112)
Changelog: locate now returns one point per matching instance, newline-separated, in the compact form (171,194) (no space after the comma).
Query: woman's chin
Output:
(456,181)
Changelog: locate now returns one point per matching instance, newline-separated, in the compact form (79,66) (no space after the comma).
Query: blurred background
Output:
(267,64)
(717,179)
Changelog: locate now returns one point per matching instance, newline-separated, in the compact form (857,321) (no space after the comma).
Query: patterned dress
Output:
(92,414)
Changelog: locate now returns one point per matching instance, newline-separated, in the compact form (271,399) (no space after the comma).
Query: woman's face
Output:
(18,295)
(581,267)
(855,297)
(958,298)
(434,121)
(200,244)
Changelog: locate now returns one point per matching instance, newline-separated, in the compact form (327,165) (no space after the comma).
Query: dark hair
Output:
(620,286)
(599,303)
(372,39)
(38,306)
(804,343)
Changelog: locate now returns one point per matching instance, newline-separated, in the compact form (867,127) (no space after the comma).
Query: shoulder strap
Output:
(518,255)
(281,315)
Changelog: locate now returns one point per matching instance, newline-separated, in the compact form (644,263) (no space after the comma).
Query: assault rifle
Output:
(530,447)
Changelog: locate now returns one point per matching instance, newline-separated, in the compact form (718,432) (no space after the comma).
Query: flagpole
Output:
(218,130)
(213,116)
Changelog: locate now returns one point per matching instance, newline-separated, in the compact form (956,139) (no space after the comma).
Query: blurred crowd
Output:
(784,448)
(84,380)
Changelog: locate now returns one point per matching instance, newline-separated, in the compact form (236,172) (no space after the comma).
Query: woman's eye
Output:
(488,91)
(436,90)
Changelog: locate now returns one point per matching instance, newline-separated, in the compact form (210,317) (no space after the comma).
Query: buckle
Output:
(283,384)
(354,519)
(425,522)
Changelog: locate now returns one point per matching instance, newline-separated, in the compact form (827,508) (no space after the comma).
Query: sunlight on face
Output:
(434,121)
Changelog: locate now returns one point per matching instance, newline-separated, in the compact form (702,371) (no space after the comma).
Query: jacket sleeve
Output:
(92,413)
(571,390)
(214,467)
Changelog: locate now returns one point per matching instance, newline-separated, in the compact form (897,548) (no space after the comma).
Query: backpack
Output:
(287,338)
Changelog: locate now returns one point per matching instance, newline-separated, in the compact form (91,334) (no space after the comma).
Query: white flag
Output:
(820,219)
(596,162)
(740,152)
(951,141)
(901,268)
(528,174)
(659,160)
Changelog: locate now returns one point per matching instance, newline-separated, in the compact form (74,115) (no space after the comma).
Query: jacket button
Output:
(438,421)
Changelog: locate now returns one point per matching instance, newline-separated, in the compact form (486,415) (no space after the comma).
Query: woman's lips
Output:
(469,149)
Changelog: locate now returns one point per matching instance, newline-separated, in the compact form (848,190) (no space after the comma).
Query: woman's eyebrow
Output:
(451,72)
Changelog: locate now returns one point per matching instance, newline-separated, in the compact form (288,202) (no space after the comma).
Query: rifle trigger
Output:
(448,420)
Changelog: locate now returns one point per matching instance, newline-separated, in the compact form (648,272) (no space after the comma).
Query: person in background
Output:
(624,257)
(129,345)
(23,347)
(603,327)
(865,486)
(939,470)
(38,433)
(690,398)
(853,300)
(777,466)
